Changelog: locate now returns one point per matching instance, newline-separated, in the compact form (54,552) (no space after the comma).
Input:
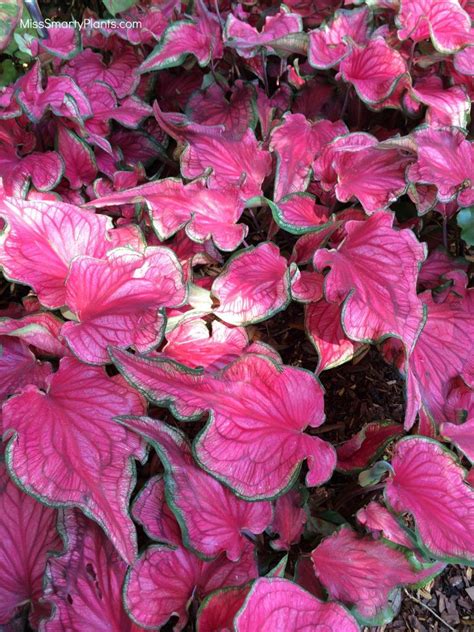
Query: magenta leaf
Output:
(296,142)
(211,518)
(164,580)
(299,214)
(324,328)
(444,21)
(78,157)
(233,162)
(119,73)
(363,573)
(200,38)
(43,170)
(277,35)
(63,445)
(375,271)
(374,70)
(378,520)
(429,484)
(40,330)
(445,160)
(269,435)
(254,285)
(236,114)
(361,449)
(19,367)
(217,611)
(461,435)
(269,598)
(42,238)
(329,44)
(119,301)
(27,535)
(191,343)
(203,213)
(61,95)
(64,43)
(375,176)
(306,285)
(443,352)
(152,512)
(445,107)
(289,520)
(84,583)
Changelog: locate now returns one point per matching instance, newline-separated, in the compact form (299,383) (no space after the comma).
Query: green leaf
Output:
(466,224)
(373,475)
(118,6)
(8,72)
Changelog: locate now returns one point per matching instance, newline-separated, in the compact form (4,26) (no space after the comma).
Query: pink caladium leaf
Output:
(217,611)
(191,343)
(378,520)
(236,114)
(119,301)
(254,285)
(363,573)
(374,270)
(164,580)
(42,169)
(296,141)
(233,162)
(298,213)
(61,94)
(443,352)
(40,330)
(212,519)
(330,43)
(461,435)
(323,167)
(211,151)
(373,69)
(438,267)
(306,285)
(200,37)
(63,444)
(270,597)
(84,583)
(61,42)
(203,213)
(464,61)
(79,163)
(357,452)
(429,484)
(444,21)
(289,521)
(446,107)
(41,240)
(151,510)
(120,73)
(375,176)
(445,160)
(324,328)
(19,367)
(27,535)
(269,434)
(278,34)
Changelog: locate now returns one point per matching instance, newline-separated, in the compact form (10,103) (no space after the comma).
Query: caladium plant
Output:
(213,216)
